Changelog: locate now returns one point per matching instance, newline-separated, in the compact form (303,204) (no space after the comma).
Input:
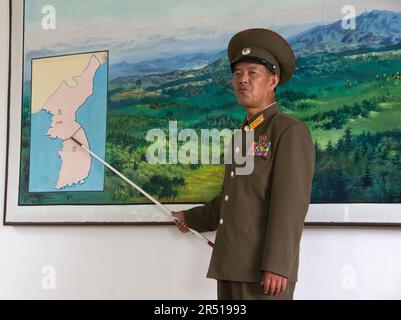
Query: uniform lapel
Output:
(267,113)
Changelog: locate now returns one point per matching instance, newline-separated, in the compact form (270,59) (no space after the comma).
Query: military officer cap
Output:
(264,47)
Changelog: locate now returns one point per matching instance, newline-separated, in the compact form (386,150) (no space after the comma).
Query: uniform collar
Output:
(268,112)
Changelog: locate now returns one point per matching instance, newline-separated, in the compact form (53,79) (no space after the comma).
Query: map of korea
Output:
(61,96)
(63,105)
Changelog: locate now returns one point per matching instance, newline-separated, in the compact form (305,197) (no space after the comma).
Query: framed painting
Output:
(114,74)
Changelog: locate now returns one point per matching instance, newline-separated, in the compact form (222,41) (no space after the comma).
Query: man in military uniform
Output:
(260,217)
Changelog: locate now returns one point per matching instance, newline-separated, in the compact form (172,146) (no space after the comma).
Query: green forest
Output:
(351,101)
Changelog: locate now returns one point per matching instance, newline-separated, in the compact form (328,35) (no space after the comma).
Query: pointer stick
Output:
(164,208)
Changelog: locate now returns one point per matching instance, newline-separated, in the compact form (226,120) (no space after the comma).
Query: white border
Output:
(318,213)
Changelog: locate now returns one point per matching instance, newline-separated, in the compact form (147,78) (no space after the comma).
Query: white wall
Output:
(157,262)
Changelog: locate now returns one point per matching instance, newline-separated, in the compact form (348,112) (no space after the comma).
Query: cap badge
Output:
(246,51)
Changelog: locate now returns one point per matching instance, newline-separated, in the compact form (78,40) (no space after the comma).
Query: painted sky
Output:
(144,30)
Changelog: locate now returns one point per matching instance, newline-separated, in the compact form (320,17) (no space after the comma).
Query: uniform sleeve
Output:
(204,218)
(293,169)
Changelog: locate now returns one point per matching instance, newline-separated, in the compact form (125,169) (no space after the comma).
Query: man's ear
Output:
(275,80)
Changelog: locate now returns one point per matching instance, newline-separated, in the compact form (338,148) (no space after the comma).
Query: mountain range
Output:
(375,29)
(161,66)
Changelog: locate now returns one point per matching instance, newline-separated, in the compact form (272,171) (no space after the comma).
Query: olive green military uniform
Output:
(259,217)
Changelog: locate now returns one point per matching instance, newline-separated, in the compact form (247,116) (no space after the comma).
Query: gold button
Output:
(246,128)
(237,150)
(232,174)
(226,198)
(221,221)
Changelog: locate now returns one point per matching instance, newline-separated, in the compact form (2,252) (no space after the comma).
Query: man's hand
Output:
(182,226)
(273,284)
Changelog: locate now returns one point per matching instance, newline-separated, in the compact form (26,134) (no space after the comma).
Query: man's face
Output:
(253,84)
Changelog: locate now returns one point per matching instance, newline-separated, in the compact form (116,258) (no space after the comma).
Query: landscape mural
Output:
(168,62)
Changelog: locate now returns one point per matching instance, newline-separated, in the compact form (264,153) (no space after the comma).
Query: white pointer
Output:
(164,208)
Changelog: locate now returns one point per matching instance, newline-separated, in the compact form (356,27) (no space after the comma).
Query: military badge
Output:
(257,122)
(246,51)
(262,148)
(262,138)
